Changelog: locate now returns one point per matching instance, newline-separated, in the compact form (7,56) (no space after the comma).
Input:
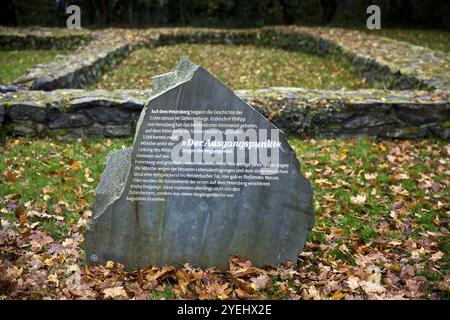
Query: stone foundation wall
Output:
(77,70)
(70,114)
(43,38)
(36,42)
(381,120)
(380,61)
(374,71)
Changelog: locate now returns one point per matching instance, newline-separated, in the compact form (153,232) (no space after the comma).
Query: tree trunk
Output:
(8,13)
(329,8)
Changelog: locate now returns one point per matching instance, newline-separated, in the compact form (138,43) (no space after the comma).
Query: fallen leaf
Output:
(47,190)
(259,282)
(353,282)
(116,292)
(372,287)
(10,176)
(370,176)
(359,199)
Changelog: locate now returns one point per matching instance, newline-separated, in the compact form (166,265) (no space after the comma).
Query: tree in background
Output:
(329,8)
(424,13)
(8,13)
(304,12)
(411,13)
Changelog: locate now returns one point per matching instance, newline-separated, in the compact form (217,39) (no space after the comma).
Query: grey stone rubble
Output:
(70,114)
(138,228)
(76,70)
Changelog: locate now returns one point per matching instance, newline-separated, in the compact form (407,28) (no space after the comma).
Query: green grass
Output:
(14,63)
(61,178)
(434,39)
(238,66)
(347,163)
(166,294)
(405,184)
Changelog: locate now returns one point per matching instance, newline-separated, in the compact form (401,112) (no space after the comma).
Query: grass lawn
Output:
(238,66)
(381,227)
(434,39)
(14,63)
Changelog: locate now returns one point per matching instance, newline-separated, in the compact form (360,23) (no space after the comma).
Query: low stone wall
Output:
(42,38)
(375,113)
(380,61)
(76,70)
(70,114)
(50,43)
(397,64)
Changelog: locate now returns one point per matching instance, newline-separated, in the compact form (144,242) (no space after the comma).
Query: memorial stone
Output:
(207,177)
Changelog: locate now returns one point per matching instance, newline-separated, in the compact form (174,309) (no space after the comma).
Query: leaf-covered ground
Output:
(14,63)
(381,227)
(239,66)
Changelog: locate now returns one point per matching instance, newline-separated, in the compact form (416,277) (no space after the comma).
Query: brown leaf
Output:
(162,274)
(241,293)
(57,208)
(47,190)
(417,286)
(116,292)
(76,165)
(10,176)
(372,287)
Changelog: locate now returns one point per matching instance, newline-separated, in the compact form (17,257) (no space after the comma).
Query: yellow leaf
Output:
(223,296)
(338,295)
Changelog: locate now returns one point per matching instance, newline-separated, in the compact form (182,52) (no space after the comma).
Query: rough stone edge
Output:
(183,72)
(113,189)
